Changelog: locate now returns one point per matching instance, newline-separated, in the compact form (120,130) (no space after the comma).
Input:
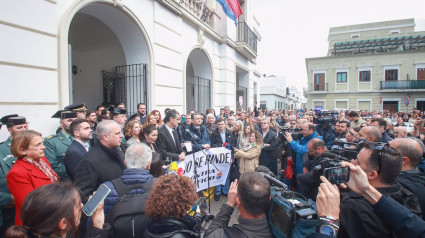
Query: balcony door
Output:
(319,82)
(421,73)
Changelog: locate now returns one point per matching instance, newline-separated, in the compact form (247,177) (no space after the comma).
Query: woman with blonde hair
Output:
(150,120)
(237,131)
(132,132)
(249,154)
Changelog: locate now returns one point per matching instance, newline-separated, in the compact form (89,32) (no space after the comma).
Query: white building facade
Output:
(275,93)
(181,54)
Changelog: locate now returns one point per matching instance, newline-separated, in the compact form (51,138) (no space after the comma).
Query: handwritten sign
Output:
(219,165)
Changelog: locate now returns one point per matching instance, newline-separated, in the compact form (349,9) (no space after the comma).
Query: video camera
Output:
(295,133)
(349,150)
(328,160)
(289,212)
(322,118)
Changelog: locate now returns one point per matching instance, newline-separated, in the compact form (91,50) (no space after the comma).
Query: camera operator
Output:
(328,134)
(343,128)
(301,147)
(307,184)
(252,197)
(382,165)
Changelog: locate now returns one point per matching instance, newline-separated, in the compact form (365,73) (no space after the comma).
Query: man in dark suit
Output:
(267,156)
(82,133)
(168,138)
(104,162)
(218,137)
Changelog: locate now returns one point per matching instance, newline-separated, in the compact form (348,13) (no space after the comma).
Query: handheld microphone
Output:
(228,146)
(195,137)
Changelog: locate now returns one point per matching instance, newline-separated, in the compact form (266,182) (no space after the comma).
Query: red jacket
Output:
(21,180)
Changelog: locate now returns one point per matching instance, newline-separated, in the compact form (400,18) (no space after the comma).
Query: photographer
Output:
(307,183)
(382,165)
(301,147)
(401,220)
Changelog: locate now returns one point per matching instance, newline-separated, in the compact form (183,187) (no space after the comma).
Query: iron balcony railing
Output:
(403,84)
(245,34)
(319,87)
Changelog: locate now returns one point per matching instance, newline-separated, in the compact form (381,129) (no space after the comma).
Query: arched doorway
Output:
(108,58)
(198,81)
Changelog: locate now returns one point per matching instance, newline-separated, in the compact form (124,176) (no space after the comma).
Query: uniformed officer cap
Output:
(4,120)
(116,110)
(18,120)
(77,107)
(58,114)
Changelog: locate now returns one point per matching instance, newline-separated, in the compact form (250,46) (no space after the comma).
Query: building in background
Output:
(275,93)
(375,66)
(182,54)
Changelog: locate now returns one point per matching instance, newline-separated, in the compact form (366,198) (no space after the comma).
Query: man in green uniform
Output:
(56,145)
(15,124)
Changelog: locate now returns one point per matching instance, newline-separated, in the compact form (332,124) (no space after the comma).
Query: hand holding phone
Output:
(98,197)
(337,175)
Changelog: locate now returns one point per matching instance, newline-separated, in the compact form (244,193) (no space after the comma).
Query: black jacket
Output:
(216,140)
(168,147)
(99,165)
(415,183)
(268,156)
(252,228)
(358,219)
(166,227)
(73,156)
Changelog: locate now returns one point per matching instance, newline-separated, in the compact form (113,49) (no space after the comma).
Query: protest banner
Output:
(219,165)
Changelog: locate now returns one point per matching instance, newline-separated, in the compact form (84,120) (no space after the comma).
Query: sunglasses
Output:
(381,148)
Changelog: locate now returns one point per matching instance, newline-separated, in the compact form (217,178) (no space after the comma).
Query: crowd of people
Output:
(49,178)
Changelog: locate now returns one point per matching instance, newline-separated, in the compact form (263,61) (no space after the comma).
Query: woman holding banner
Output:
(249,154)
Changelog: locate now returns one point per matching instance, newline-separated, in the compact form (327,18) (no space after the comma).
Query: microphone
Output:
(228,146)
(195,137)
(269,175)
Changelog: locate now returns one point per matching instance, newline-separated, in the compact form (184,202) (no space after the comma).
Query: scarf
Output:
(43,167)
(248,146)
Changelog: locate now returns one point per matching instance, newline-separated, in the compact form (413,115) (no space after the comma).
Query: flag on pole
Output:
(231,8)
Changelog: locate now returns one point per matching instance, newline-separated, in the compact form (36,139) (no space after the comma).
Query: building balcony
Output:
(402,85)
(318,88)
(246,41)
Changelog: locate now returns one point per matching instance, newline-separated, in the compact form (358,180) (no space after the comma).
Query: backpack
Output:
(127,217)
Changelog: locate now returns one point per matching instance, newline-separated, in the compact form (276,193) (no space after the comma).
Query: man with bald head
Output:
(410,176)
(370,133)
(400,132)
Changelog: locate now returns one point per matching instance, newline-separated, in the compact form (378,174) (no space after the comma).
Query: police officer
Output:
(79,108)
(119,115)
(15,124)
(56,145)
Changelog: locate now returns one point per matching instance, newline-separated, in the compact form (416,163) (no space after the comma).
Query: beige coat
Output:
(248,161)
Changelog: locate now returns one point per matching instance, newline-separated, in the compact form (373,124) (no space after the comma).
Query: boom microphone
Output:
(195,137)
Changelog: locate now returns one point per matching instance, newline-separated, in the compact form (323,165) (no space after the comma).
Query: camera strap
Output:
(233,231)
